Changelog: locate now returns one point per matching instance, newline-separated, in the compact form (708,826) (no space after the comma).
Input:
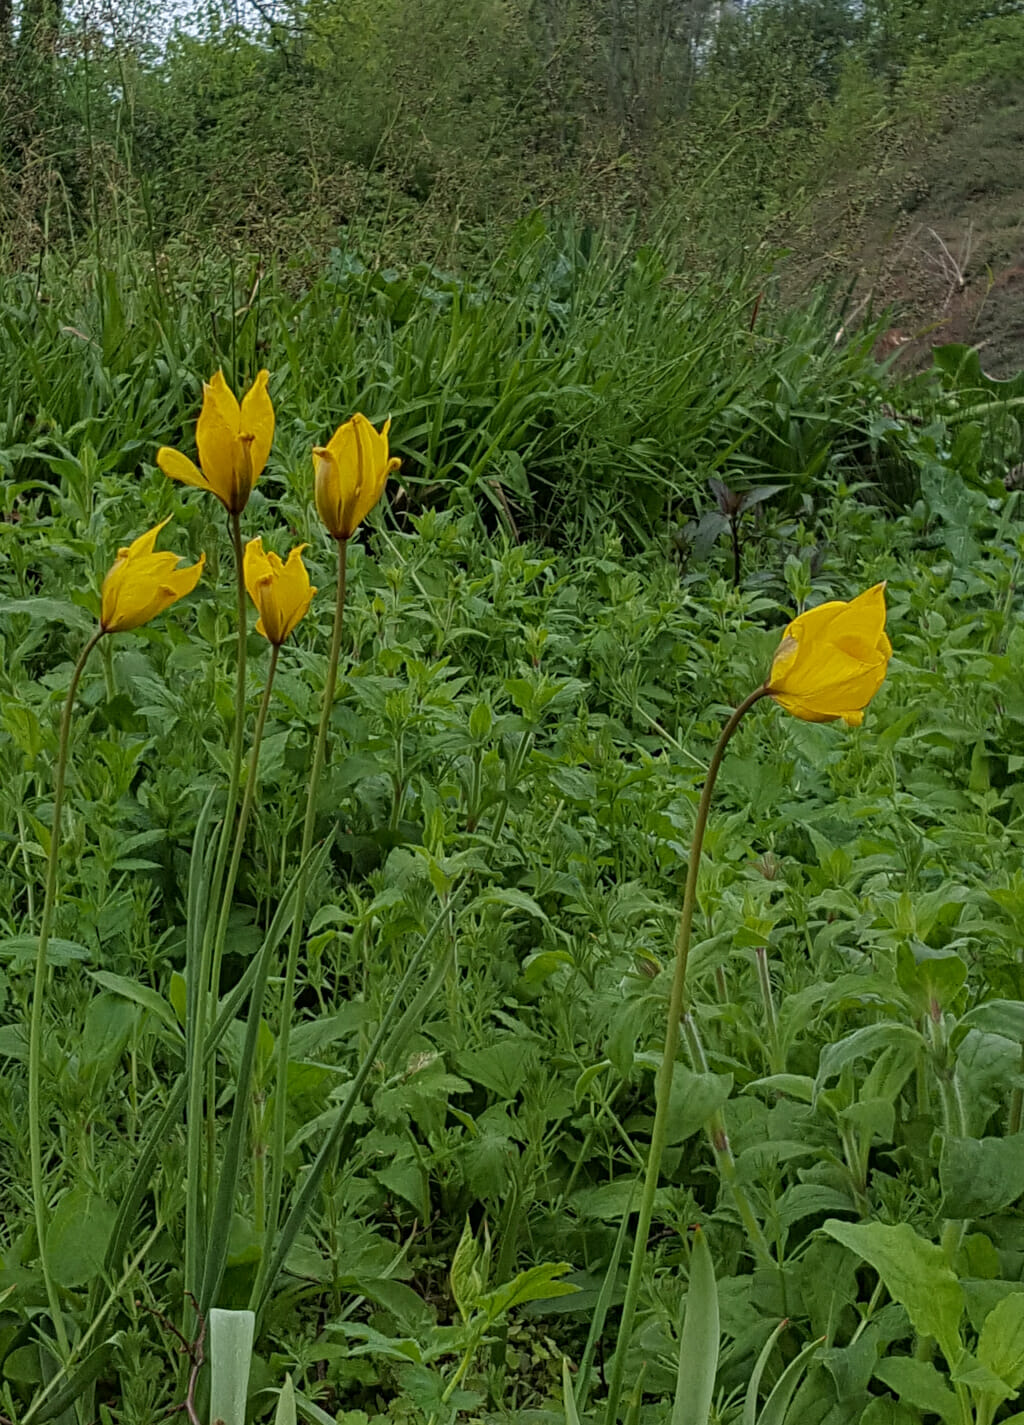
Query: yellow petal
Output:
(281,592)
(142,583)
(833,659)
(257,419)
(351,472)
(179,467)
(327,489)
(255,568)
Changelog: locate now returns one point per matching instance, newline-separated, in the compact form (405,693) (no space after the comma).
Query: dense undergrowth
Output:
(547,621)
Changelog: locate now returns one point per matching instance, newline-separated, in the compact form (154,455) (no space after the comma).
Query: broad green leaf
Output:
(536,1284)
(693,1100)
(50,611)
(916,1274)
(980,1175)
(77,1237)
(919,1384)
(139,994)
(22,950)
(865,1043)
(1001,1343)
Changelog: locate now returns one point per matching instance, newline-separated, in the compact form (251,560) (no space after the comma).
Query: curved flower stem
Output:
(666,1071)
(295,940)
(202,997)
(35,1034)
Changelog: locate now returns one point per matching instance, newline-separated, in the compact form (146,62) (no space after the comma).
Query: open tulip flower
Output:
(141,583)
(281,591)
(832,660)
(351,472)
(233,442)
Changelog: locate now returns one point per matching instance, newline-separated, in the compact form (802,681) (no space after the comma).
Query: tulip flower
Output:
(351,472)
(832,660)
(233,442)
(141,583)
(281,591)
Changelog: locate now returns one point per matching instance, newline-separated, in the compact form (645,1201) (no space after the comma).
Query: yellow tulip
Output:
(141,583)
(832,660)
(351,472)
(281,592)
(233,442)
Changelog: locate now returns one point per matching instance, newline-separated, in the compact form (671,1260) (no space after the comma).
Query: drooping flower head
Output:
(281,592)
(351,472)
(233,442)
(141,583)
(832,660)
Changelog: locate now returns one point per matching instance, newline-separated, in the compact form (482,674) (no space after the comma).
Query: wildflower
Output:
(233,442)
(832,660)
(141,583)
(281,591)
(351,471)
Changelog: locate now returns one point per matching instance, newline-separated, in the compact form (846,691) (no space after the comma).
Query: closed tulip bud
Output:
(141,583)
(232,440)
(351,472)
(832,660)
(281,592)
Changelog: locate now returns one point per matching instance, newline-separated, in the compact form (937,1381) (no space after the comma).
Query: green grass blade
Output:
(604,1301)
(750,1400)
(699,1339)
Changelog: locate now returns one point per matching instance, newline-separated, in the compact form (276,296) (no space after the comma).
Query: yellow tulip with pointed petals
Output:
(351,472)
(141,583)
(832,660)
(281,591)
(233,442)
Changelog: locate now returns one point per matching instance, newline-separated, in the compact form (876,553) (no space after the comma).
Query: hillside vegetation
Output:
(394,1028)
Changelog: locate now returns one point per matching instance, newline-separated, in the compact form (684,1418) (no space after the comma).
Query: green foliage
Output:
(536,665)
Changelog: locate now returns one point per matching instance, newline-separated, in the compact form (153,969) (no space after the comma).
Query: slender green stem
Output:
(217,1245)
(243,818)
(295,940)
(666,1071)
(35,1034)
(201,997)
(237,746)
(764,980)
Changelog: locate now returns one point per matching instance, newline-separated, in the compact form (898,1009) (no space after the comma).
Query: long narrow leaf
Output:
(604,1301)
(231,1334)
(387,1037)
(754,1384)
(572,1415)
(777,1404)
(698,1341)
(145,1163)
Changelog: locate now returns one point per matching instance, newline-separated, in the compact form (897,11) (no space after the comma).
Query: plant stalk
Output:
(203,987)
(35,1034)
(295,940)
(666,1071)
